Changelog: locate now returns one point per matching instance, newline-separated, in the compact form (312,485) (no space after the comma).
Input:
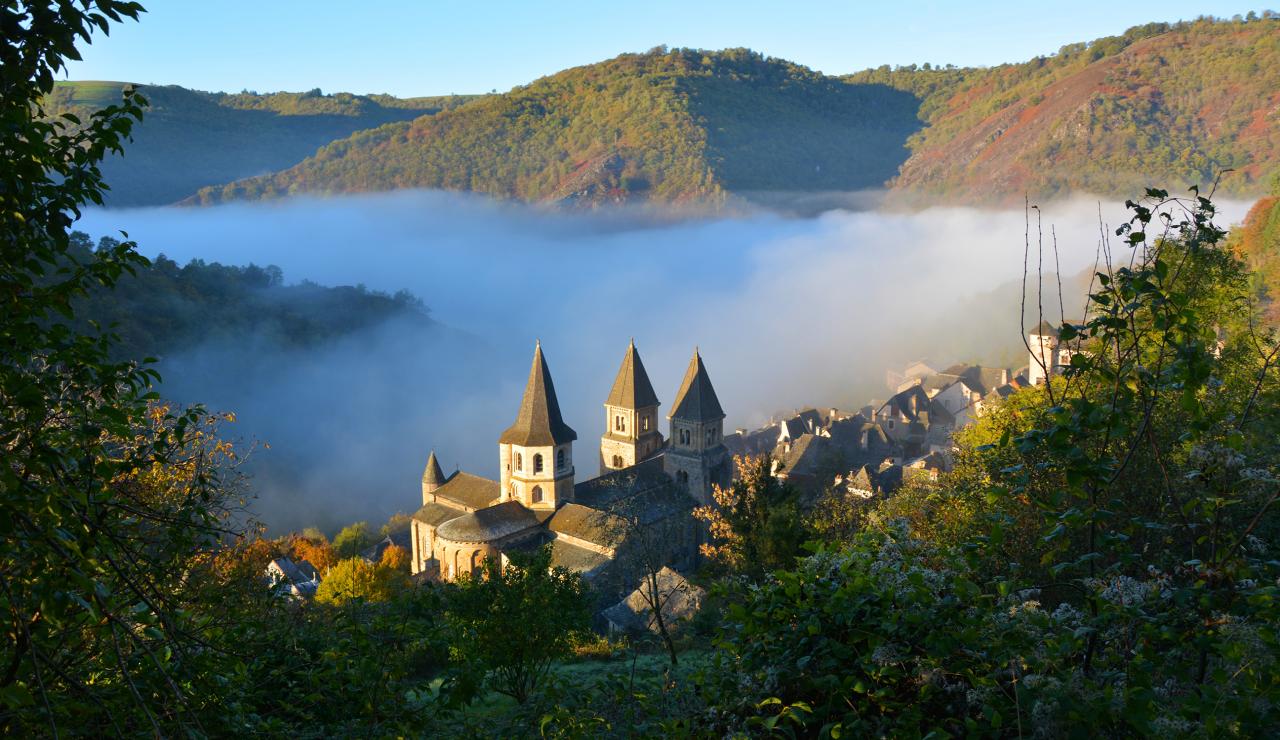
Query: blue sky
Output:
(428,47)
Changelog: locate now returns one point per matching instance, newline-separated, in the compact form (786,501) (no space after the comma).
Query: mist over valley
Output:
(786,311)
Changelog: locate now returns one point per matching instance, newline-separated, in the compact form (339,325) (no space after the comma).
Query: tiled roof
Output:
(539,422)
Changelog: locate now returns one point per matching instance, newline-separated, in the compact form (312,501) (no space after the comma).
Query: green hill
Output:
(669,126)
(1167,105)
(190,139)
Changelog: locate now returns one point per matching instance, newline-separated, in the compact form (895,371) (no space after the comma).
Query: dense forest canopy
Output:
(189,139)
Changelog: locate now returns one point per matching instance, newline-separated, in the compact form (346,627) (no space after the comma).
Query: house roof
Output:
(539,422)
(696,400)
(436,514)
(575,558)
(910,403)
(469,490)
(632,389)
(805,454)
(432,474)
(680,601)
(489,524)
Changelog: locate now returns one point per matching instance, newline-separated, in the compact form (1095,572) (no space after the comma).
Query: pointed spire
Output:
(539,421)
(632,389)
(433,475)
(696,400)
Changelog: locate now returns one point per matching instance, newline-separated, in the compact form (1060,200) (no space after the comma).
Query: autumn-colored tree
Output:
(352,579)
(395,558)
(317,552)
(756,525)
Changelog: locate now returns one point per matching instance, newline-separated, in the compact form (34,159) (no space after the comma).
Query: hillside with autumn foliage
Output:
(1170,104)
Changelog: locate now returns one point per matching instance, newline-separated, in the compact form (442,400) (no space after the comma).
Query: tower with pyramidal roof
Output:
(696,456)
(536,452)
(631,417)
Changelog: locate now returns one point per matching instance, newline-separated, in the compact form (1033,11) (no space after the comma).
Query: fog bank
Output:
(786,312)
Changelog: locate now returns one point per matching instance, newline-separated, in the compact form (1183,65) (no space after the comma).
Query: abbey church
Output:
(538,499)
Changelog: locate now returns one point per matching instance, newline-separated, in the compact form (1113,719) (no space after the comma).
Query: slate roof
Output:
(696,400)
(487,525)
(432,474)
(586,523)
(577,559)
(680,601)
(539,422)
(469,490)
(632,389)
(805,454)
(436,514)
(599,492)
(903,403)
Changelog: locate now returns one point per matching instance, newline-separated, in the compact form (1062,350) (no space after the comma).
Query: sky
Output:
(429,47)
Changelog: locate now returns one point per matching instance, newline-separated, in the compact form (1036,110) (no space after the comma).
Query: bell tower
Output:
(432,478)
(631,417)
(535,454)
(696,456)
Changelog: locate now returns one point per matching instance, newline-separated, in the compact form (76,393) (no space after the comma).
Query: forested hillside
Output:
(1173,104)
(164,307)
(189,139)
(669,126)
(1169,104)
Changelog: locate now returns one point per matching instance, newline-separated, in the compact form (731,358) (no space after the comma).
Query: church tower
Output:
(432,478)
(536,453)
(631,417)
(696,456)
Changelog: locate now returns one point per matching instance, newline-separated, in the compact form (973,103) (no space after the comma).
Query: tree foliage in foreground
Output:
(1106,562)
(513,622)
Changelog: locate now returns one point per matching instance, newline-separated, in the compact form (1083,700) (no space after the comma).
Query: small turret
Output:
(432,478)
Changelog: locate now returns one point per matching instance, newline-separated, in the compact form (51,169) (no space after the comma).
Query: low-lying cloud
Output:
(786,311)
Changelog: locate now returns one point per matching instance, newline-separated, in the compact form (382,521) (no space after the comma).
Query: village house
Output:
(298,580)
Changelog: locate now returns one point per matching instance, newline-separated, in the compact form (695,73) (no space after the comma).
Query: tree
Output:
(352,540)
(755,523)
(108,500)
(649,528)
(356,579)
(511,623)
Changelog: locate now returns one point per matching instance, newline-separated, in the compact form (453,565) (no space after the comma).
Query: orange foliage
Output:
(319,553)
(395,558)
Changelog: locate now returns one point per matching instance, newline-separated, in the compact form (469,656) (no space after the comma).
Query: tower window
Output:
(537,463)
(560,459)
(537,494)
(620,423)
(682,477)
(617,461)
(519,462)
(685,437)
(644,424)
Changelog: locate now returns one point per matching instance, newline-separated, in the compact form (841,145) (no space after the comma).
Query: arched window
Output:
(620,423)
(475,561)
(617,461)
(682,477)
(519,462)
(560,459)
(644,423)
(537,463)
(537,494)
